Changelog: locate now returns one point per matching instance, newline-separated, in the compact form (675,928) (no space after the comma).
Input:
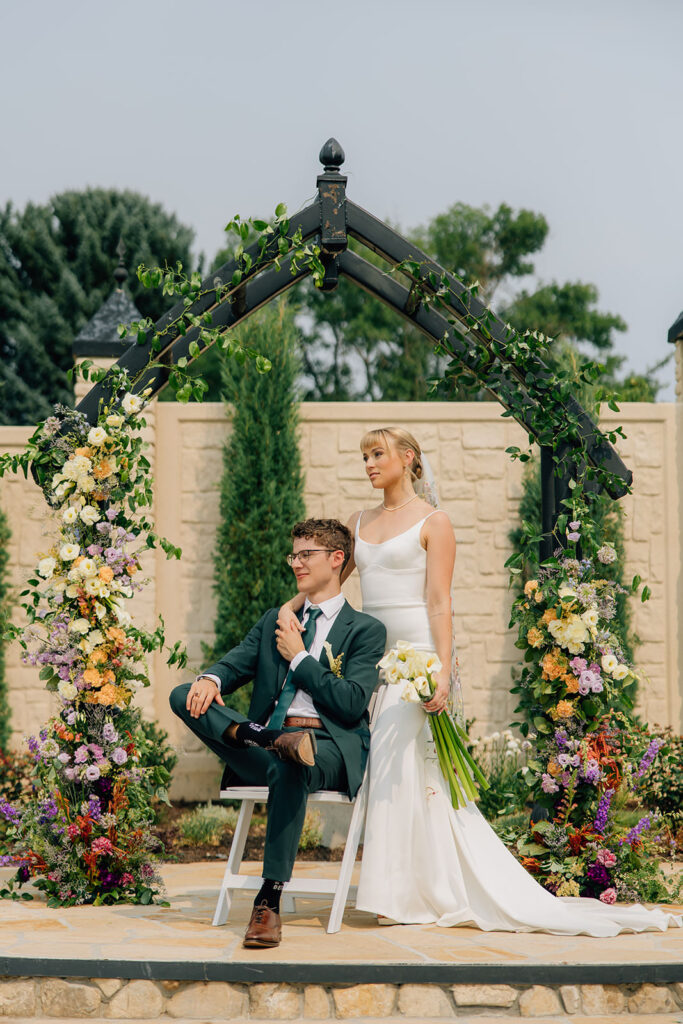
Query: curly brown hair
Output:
(329,533)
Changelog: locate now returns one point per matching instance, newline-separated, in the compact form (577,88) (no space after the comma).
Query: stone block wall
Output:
(479,488)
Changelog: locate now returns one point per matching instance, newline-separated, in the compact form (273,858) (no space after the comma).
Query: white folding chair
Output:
(314,888)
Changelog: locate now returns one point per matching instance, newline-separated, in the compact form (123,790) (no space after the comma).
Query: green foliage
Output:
(16,770)
(502,758)
(206,825)
(157,757)
(662,790)
(312,831)
(262,484)
(5,604)
(56,265)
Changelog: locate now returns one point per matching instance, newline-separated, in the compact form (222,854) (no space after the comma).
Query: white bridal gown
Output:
(423,861)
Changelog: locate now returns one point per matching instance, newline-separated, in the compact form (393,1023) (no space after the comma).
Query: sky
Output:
(214,108)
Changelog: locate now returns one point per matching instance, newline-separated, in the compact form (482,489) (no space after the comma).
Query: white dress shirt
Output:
(302,706)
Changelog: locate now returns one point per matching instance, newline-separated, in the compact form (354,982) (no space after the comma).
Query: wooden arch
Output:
(330,220)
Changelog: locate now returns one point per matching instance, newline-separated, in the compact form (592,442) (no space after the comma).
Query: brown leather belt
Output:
(292,722)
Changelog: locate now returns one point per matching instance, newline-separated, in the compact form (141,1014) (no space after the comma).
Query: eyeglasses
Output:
(304,555)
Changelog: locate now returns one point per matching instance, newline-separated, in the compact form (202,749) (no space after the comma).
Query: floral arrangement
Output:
(416,670)
(573,695)
(86,831)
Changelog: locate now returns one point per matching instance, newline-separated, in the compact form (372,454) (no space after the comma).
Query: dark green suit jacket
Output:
(341,702)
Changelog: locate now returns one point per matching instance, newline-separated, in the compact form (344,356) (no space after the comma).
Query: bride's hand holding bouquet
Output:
(422,676)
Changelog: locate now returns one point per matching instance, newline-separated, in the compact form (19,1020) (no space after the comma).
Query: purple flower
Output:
(589,680)
(575,524)
(600,823)
(81,754)
(71,718)
(96,751)
(94,807)
(561,738)
(64,757)
(635,833)
(64,672)
(47,810)
(598,873)
(119,755)
(10,813)
(70,774)
(573,536)
(648,757)
(92,773)
(592,772)
(111,514)
(548,784)
(109,733)
(578,665)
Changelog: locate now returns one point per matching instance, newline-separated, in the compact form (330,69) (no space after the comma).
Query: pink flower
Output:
(608,896)
(102,845)
(127,878)
(607,858)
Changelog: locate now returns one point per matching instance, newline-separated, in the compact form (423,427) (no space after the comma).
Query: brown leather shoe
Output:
(264,929)
(299,747)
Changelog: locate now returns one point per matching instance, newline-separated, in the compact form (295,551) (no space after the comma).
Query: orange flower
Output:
(102,470)
(564,709)
(98,656)
(535,637)
(548,615)
(106,573)
(554,768)
(84,451)
(117,635)
(571,682)
(108,677)
(108,695)
(551,668)
(92,677)
(131,568)
(532,865)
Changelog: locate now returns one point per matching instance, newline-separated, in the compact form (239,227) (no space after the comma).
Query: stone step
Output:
(630,1018)
(119,999)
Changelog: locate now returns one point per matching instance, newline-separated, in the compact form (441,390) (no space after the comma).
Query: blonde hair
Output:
(400,439)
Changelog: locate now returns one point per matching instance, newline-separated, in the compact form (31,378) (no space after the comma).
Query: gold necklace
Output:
(395,508)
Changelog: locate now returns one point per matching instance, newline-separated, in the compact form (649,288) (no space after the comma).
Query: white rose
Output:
(85,645)
(620,672)
(97,436)
(86,483)
(46,566)
(72,590)
(58,584)
(90,515)
(590,617)
(87,567)
(131,404)
(609,663)
(95,587)
(114,421)
(70,515)
(67,690)
(57,479)
(81,626)
(96,636)
(63,489)
(566,591)
(68,552)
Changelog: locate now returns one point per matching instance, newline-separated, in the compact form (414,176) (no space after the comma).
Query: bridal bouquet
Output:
(416,670)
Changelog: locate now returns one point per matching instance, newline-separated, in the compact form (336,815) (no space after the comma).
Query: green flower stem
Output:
(447,770)
(454,751)
(463,741)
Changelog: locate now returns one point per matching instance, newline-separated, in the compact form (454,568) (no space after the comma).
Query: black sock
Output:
(270,893)
(251,734)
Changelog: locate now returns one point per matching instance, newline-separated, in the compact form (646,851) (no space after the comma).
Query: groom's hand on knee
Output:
(201,696)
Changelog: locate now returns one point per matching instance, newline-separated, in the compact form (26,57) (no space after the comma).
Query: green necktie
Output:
(289,689)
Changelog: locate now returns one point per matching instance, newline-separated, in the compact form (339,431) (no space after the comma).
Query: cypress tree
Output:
(262,483)
(5,730)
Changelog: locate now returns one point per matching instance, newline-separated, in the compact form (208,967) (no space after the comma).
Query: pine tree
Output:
(262,484)
(5,730)
(56,266)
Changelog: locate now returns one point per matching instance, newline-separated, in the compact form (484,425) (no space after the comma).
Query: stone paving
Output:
(183,932)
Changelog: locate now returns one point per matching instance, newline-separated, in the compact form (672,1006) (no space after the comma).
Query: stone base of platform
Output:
(140,999)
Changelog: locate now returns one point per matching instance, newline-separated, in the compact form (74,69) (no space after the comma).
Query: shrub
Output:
(312,832)
(205,825)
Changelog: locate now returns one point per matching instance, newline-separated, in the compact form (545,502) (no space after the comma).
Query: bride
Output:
(423,861)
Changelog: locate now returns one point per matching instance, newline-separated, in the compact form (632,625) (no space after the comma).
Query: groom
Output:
(308,724)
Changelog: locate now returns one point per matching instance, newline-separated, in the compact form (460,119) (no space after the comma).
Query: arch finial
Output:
(332,155)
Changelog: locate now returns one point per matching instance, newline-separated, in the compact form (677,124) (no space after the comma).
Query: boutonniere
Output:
(335,663)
